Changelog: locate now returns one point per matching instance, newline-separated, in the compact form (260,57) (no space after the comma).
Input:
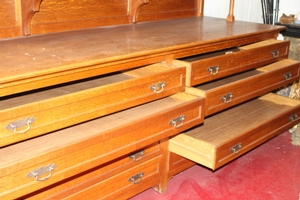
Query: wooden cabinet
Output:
(106,104)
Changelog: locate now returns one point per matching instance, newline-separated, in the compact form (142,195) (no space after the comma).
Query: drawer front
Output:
(96,142)
(100,173)
(237,89)
(120,186)
(229,134)
(204,68)
(32,119)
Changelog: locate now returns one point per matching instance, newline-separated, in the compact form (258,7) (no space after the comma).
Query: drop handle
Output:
(158,87)
(287,76)
(236,148)
(178,121)
(213,70)
(18,125)
(293,117)
(274,53)
(42,171)
(137,156)
(227,98)
(136,178)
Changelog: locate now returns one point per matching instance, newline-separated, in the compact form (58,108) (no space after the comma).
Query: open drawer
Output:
(229,134)
(210,66)
(41,111)
(93,143)
(230,91)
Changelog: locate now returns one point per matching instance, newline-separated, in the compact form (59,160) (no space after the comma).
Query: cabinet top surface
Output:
(34,56)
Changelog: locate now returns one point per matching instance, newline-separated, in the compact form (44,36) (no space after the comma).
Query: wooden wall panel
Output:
(9,19)
(168,9)
(64,15)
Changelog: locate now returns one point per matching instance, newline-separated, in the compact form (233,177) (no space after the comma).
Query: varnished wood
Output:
(29,8)
(230,16)
(39,64)
(134,6)
(248,124)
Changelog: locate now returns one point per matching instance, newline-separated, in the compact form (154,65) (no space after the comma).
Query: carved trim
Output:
(133,8)
(29,8)
(230,16)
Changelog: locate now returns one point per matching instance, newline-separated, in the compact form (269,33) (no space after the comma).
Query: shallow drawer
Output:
(229,134)
(34,113)
(94,143)
(98,174)
(120,186)
(224,93)
(211,66)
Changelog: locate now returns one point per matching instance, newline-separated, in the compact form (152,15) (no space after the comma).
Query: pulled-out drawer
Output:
(229,134)
(224,93)
(39,162)
(34,113)
(211,66)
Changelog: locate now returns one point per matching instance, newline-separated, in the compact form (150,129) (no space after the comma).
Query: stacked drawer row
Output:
(239,114)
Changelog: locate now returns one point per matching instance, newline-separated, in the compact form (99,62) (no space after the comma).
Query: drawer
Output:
(93,143)
(224,93)
(123,185)
(100,174)
(34,113)
(227,135)
(211,66)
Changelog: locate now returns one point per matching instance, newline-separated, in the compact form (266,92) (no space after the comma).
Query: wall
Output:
(247,10)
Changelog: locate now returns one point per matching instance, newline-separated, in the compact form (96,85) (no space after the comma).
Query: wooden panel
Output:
(95,142)
(10,19)
(57,15)
(166,9)
(69,104)
(249,124)
(230,91)
(212,66)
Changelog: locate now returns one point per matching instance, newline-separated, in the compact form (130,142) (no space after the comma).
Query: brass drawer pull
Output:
(137,156)
(213,70)
(287,76)
(41,171)
(136,178)
(274,53)
(227,98)
(178,121)
(158,87)
(19,124)
(293,117)
(236,148)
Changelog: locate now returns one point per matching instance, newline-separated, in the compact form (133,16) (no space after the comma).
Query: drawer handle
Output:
(287,76)
(178,121)
(19,124)
(158,87)
(275,53)
(236,148)
(136,178)
(213,70)
(293,117)
(227,98)
(137,156)
(41,171)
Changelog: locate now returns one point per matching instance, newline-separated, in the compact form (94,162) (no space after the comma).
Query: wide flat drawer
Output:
(224,93)
(34,113)
(94,143)
(211,66)
(229,134)
(102,174)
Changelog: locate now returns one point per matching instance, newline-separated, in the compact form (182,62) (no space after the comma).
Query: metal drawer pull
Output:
(227,98)
(236,148)
(293,117)
(43,170)
(178,121)
(213,70)
(136,178)
(275,53)
(158,87)
(19,124)
(287,76)
(137,156)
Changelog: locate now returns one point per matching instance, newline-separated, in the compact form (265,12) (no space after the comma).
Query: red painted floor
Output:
(269,172)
